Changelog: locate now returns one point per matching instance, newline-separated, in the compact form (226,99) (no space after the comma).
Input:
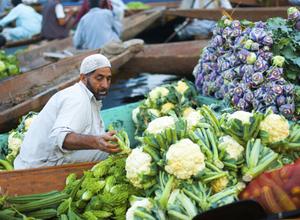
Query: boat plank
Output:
(39,180)
(172,58)
(252,14)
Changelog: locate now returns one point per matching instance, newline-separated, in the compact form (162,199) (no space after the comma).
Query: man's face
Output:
(98,82)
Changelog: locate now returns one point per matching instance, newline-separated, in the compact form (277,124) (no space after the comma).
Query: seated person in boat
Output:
(28,22)
(97,28)
(54,25)
(117,6)
(69,128)
(295,2)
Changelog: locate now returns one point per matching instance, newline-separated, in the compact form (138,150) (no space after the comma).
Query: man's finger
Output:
(113,150)
(111,133)
(110,145)
(110,138)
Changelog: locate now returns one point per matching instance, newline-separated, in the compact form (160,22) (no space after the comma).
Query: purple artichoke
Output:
(247,69)
(227,32)
(257,79)
(236,24)
(243,54)
(236,32)
(288,89)
(277,89)
(257,34)
(293,13)
(217,41)
(280,100)
(287,110)
(260,24)
(235,100)
(268,41)
(238,91)
(248,96)
(275,73)
(255,46)
(260,65)
(242,105)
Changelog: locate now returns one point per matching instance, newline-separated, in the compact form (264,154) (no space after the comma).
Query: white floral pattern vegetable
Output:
(192,117)
(181,87)
(184,159)
(158,92)
(144,203)
(242,116)
(137,163)
(233,149)
(160,124)
(276,126)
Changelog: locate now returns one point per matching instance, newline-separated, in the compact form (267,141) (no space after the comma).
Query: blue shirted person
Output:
(97,28)
(28,22)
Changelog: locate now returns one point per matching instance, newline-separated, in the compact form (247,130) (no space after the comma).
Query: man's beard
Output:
(100,95)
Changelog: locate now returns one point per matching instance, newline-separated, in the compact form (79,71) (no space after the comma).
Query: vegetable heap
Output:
(137,5)
(9,65)
(15,139)
(250,65)
(194,160)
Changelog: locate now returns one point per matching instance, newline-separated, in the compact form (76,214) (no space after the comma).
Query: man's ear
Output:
(82,77)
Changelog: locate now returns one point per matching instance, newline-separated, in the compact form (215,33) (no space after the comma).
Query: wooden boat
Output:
(32,90)
(32,59)
(32,40)
(252,14)
(256,3)
(173,58)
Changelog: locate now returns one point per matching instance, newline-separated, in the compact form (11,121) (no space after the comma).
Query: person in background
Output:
(202,27)
(295,2)
(69,129)
(28,22)
(4,4)
(54,25)
(97,28)
(117,6)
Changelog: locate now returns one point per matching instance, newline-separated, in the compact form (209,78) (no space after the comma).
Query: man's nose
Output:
(105,84)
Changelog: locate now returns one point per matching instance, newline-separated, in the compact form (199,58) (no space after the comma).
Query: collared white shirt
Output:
(73,109)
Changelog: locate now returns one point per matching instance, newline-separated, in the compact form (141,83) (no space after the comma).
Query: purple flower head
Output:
(243,54)
(257,79)
(206,67)
(235,100)
(260,24)
(255,46)
(268,40)
(248,96)
(236,24)
(275,73)
(217,41)
(228,74)
(287,110)
(288,89)
(227,32)
(247,69)
(266,55)
(242,105)
(238,91)
(269,99)
(260,65)
(217,30)
(257,34)
(236,32)
(280,100)
(225,66)
(277,89)
(293,13)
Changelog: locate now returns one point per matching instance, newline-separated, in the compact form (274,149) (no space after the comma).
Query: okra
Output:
(30,198)
(43,214)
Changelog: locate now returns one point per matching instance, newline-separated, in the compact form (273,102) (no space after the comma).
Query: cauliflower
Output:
(181,87)
(184,159)
(15,140)
(167,107)
(276,126)
(139,202)
(192,117)
(158,92)
(242,116)
(233,149)
(154,112)
(219,184)
(160,124)
(137,164)
(134,114)
(29,121)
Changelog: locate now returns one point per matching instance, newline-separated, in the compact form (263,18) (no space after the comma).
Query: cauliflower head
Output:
(192,117)
(219,184)
(134,114)
(167,107)
(137,164)
(181,87)
(158,125)
(158,92)
(242,116)
(15,140)
(143,203)
(233,149)
(29,121)
(154,112)
(184,159)
(276,126)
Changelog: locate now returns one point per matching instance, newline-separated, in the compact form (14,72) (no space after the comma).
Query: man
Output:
(55,21)
(97,28)
(202,27)
(69,129)
(28,22)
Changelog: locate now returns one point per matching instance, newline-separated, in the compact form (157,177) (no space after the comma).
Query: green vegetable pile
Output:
(15,139)
(135,5)
(9,65)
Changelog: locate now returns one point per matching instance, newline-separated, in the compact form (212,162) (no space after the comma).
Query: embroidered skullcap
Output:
(93,62)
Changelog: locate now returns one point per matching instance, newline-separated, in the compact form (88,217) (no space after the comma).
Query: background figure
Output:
(4,4)
(28,22)
(97,28)
(55,21)
(202,27)
(295,2)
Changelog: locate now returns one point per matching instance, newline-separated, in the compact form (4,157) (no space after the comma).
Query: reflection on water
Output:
(126,90)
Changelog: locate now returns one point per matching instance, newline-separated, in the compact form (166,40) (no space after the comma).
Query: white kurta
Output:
(73,109)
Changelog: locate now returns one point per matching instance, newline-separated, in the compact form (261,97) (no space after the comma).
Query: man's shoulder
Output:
(73,92)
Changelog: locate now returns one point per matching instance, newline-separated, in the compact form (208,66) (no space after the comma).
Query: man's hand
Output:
(108,143)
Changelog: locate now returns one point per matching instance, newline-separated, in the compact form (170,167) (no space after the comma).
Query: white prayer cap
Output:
(93,62)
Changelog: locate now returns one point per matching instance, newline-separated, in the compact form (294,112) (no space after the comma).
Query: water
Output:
(128,88)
